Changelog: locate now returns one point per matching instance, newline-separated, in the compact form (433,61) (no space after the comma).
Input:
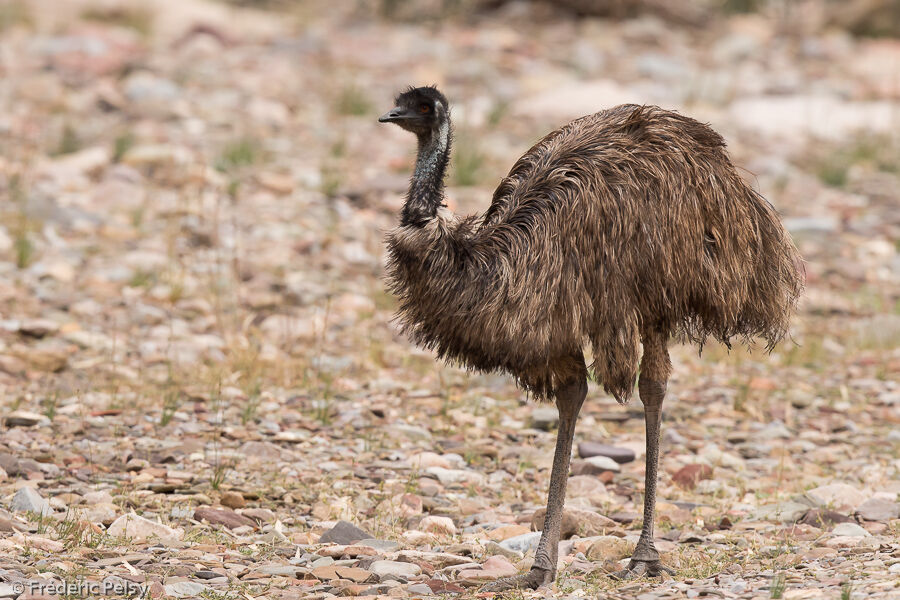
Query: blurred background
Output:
(193,195)
(187,179)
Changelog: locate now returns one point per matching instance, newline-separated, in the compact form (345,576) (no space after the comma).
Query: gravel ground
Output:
(203,394)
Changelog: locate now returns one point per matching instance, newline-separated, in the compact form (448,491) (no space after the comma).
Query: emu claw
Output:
(639,568)
(531,580)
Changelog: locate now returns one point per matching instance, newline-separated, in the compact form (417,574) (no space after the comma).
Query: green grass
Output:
(833,164)
(467,166)
(69,142)
(239,154)
(13,13)
(135,17)
(21,227)
(353,101)
(846,590)
(122,144)
(776,590)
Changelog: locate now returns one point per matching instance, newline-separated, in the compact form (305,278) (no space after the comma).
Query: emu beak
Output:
(395,114)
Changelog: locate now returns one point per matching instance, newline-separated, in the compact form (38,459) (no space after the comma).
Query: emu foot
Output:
(531,580)
(639,568)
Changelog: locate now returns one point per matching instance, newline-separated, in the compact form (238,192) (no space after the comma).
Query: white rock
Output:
(837,495)
(849,530)
(522,543)
(584,485)
(396,568)
(604,462)
(582,98)
(438,525)
(185,589)
(28,499)
(137,528)
(819,116)
(423,460)
(450,476)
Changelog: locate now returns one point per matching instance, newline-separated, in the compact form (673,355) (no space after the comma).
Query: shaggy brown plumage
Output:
(626,220)
(621,229)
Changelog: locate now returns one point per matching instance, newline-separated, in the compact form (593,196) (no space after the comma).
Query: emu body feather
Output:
(625,222)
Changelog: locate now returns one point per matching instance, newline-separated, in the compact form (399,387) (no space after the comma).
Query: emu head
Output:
(422,110)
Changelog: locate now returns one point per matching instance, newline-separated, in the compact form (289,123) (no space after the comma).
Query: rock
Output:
(261,515)
(99,497)
(233,500)
(451,476)
(624,516)
(504,532)
(143,86)
(419,589)
(609,547)
(603,463)
(102,512)
(878,509)
(424,460)
(38,541)
(383,545)
(522,543)
(137,528)
(688,475)
(228,518)
(438,525)
(799,398)
(27,499)
(773,431)
(584,467)
(186,589)
(837,496)
(386,569)
(492,548)
(581,98)
(439,586)
(38,328)
(265,452)
(784,512)
(711,487)
(344,533)
(402,505)
(818,517)
(493,568)
(620,455)
(584,523)
(849,530)
(582,486)
(545,418)
(754,450)
(23,418)
(354,574)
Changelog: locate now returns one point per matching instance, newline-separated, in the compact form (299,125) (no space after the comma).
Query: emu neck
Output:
(426,189)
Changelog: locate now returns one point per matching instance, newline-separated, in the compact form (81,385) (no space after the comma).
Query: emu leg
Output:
(569,400)
(645,560)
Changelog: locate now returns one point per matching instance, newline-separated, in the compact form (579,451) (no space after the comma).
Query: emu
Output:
(624,229)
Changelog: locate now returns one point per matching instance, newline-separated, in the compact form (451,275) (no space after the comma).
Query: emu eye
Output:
(424,109)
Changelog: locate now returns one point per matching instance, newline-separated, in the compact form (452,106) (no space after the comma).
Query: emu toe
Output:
(531,580)
(641,568)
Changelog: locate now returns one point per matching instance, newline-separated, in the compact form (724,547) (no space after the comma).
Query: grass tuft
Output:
(467,167)
(14,13)
(354,101)
(135,17)
(238,154)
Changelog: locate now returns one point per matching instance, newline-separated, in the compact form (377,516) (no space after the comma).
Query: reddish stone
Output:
(444,587)
(228,518)
(688,476)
